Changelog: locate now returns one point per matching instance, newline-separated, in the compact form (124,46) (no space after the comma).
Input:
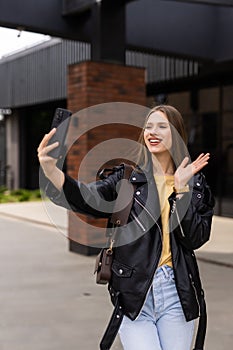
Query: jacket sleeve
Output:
(95,199)
(193,214)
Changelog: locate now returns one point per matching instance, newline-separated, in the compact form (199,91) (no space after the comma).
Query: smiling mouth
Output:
(154,142)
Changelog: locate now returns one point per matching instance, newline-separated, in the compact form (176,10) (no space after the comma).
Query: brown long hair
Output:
(179,137)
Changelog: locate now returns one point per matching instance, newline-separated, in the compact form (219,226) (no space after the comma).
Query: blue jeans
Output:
(161,325)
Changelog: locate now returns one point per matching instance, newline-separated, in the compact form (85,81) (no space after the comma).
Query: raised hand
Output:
(48,163)
(186,171)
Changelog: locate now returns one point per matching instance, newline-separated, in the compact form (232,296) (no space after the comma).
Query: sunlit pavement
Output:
(49,299)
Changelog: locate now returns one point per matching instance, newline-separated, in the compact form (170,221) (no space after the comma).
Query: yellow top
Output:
(165,188)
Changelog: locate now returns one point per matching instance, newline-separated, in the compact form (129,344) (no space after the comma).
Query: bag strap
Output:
(124,199)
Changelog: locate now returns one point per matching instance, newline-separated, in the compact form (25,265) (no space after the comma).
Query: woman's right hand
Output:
(48,164)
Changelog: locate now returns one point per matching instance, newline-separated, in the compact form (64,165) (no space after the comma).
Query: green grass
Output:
(20,195)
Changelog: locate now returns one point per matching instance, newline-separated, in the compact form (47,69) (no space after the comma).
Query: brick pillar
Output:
(92,83)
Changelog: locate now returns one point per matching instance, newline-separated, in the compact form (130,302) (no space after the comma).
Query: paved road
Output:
(49,299)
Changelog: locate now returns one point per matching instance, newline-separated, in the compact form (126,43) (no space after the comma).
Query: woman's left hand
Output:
(186,171)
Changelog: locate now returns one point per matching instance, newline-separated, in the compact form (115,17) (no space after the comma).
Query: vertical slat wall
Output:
(39,74)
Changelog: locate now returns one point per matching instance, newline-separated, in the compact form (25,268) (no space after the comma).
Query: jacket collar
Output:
(151,200)
(138,176)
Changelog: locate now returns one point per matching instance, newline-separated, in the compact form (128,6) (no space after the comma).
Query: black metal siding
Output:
(38,75)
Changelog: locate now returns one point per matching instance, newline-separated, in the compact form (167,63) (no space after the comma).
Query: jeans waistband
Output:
(165,270)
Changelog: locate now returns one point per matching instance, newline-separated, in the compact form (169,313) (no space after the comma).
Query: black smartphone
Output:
(61,121)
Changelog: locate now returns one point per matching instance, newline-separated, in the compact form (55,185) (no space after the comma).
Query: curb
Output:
(214,262)
(33,221)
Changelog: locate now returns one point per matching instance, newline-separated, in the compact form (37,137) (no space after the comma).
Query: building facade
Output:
(35,83)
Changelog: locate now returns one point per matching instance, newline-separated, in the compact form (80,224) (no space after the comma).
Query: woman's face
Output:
(157,133)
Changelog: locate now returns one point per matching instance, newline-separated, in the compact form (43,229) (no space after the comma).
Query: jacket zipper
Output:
(174,210)
(195,292)
(161,235)
(181,228)
(138,222)
(150,215)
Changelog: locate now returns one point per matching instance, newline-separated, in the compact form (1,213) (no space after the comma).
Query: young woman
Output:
(155,284)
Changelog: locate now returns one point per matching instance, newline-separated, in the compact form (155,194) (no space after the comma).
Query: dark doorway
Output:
(34,123)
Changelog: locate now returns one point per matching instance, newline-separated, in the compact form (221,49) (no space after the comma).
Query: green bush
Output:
(19,195)
(2,189)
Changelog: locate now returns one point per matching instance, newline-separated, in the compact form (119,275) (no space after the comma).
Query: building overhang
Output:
(199,29)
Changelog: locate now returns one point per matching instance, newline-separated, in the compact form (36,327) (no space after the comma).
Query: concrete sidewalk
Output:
(219,249)
(48,296)
(41,212)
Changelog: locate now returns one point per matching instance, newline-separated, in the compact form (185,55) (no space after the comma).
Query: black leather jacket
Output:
(140,244)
